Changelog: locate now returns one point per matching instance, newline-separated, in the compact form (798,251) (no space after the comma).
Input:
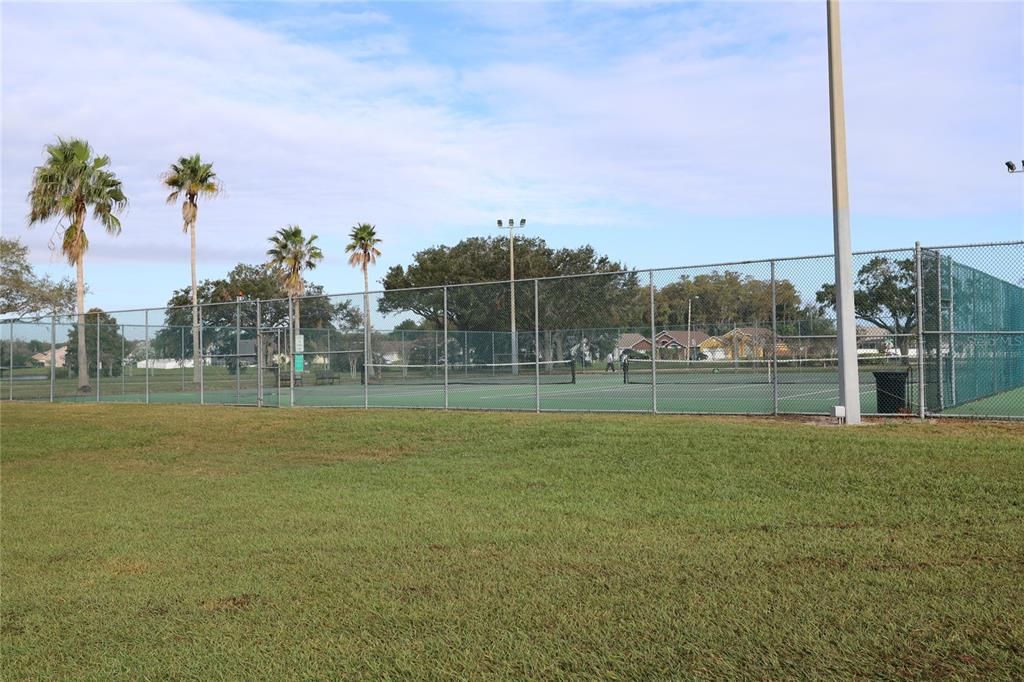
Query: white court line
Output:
(835,392)
(573,391)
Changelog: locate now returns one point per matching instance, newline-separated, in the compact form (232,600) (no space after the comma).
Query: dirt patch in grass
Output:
(238,602)
(127,566)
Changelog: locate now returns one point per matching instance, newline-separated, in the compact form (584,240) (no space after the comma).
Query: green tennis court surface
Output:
(809,391)
(591,392)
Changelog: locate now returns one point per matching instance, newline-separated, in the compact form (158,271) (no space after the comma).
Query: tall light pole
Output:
(849,384)
(512,287)
(689,320)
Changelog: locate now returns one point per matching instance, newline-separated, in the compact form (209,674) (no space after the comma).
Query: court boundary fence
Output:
(943,350)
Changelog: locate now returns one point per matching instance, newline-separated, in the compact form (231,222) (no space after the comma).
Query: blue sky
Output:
(663,134)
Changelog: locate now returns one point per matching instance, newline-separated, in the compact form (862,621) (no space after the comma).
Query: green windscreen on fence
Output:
(974,332)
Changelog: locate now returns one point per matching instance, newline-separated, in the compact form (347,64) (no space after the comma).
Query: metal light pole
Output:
(512,287)
(849,386)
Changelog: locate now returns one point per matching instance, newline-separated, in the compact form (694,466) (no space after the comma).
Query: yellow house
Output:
(743,343)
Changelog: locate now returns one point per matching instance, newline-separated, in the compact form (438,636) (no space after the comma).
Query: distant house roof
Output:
(60,354)
(751,332)
(679,338)
(745,341)
(633,341)
(872,332)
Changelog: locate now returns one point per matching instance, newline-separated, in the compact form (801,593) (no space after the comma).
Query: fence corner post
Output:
(920,331)
(445,332)
(775,346)
(146,323)
(536,343)
(53,357)
(654,347)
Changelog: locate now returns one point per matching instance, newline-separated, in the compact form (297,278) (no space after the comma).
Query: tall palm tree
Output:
(192,178)
(292,254)
(363,247)
(70,182)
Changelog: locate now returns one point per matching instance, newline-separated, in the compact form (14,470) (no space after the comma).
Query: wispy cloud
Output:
(431,120)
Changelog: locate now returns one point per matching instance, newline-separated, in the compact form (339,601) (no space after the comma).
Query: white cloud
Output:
(598,115)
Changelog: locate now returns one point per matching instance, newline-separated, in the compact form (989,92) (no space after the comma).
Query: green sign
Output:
(300,363)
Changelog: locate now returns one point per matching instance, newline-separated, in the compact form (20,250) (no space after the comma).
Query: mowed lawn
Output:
(209,543)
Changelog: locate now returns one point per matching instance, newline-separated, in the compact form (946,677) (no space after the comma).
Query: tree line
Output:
(74,181)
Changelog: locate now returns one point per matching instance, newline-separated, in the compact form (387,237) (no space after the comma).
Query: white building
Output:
(60,357)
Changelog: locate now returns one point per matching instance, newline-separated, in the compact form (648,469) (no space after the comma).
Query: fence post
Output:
(445,290)
(197,356)
(938,346)
(654,352)
(53,357)
(366,351)
(122,361)
(291,352)
(536,343)
(146,323)
(238,344)
(920,330)
(10,363)
(952,339)
(98,361)
(182,357)
(259,355)
(775,348)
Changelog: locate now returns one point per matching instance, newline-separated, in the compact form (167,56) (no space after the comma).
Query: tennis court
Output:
(711,388)
(753,337)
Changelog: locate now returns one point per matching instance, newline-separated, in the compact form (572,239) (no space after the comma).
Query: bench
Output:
(326,378)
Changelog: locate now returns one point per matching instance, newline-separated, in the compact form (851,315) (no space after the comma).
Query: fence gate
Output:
(272,367)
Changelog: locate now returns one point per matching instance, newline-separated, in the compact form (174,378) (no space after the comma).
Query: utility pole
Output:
(512,287)
(849,383)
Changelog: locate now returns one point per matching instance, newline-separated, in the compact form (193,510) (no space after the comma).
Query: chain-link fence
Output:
(940,332)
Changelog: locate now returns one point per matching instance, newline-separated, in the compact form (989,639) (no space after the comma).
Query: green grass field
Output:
(208,543)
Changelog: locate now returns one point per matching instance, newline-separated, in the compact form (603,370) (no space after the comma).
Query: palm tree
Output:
(292,254)
(69,183)
(363,248)
(193,178)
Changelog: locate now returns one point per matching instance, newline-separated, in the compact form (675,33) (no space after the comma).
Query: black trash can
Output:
(891,391)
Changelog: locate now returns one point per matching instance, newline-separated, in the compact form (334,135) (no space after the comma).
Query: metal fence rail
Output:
(940,333)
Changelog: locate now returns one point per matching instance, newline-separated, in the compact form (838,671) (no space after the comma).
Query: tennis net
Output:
(801,371)
(551,372)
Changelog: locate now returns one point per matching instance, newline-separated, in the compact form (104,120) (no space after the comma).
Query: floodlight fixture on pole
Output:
(1012,168)
(512,287)
(849,385)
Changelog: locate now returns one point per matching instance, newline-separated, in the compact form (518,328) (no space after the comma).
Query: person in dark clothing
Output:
(625,367)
